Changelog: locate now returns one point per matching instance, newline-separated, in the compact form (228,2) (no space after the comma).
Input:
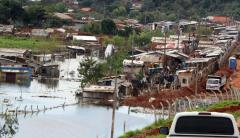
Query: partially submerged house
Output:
(105,88)
(16,73)
(99,92)
(49,70)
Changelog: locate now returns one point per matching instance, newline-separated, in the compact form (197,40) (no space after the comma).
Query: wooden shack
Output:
(14,73)
(99,92)
(49,70)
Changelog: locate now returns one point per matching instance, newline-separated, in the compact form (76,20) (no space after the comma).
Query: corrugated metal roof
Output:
(198,60)
(84,38)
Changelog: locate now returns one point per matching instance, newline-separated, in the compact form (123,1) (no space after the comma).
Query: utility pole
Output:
(178,33)
(114,106)
(165,45)
(196,81)
(132,57)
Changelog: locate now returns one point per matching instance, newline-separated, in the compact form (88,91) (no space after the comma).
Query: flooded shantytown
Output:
(118,68)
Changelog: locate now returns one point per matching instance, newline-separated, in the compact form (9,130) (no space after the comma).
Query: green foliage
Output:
(157,124)
(53,21)
(108,27)
(89,71)
(116,61)
(36,15)
(60,7)
(94,28)
(144,37)
(159,136)
(120,11)
(170,9)
(224,104)
(204,31)
(11,11)
(10,125)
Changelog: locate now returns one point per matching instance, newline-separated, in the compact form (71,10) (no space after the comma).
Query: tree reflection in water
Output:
(8,125)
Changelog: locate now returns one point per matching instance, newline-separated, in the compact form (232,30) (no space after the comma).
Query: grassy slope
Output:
(35,44)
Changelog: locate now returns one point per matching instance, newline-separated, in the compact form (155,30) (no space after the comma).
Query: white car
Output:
(202,125)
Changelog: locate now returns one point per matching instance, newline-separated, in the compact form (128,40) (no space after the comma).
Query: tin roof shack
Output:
(134,66)
(204,66)
(14,52)
(219,19)
(161,25)
(99,92)
(43,58)
(185,25)
(18,55)
(40,33)
(154,60)
(185,77)
(63,16)
(6,29)
(49,70)
(13,74)
(158,43)
(106,86)
(90,45)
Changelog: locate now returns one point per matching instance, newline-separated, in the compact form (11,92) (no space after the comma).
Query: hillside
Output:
(152,10)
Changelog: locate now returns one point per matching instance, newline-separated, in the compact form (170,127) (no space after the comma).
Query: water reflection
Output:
(50,83)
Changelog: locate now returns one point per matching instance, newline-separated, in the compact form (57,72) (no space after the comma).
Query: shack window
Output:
(184,80)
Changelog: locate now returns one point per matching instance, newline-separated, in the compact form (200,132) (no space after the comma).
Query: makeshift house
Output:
(9,62)
(14,73)
(6,29)
(40,33)
(85,38)
(63,16)
(12,53)
(99,92)
(185,77)
(49,70)
(133,66)
(43,58)
(159,43)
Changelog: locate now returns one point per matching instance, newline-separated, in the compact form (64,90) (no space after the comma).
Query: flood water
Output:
(76,121)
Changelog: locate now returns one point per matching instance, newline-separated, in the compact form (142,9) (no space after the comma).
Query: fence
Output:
(201,100)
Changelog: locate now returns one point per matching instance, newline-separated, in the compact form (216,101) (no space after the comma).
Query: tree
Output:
(108,27)
(36,15)
(120,11)
(11,11)
(89,72)
(10,125)
(60,7)
(94,28)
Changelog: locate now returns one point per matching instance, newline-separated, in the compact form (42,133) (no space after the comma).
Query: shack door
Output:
(10,77)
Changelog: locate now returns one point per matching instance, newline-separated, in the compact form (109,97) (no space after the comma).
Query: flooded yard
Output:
(75,121)
(79,122)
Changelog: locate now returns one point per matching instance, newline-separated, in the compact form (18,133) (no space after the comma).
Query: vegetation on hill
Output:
(154,10)
(24,13)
